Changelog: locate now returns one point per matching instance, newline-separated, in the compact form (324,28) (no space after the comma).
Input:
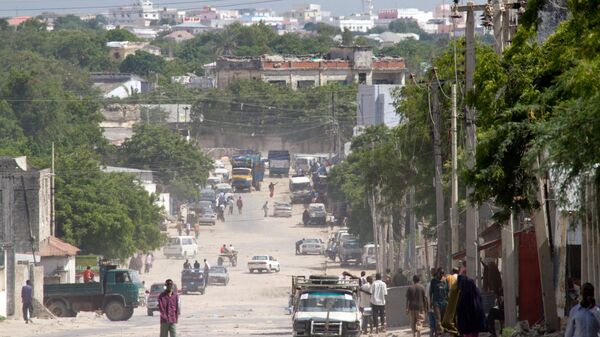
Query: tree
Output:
(174,160)
(347,37)
(119,34)
(406,25)
(143,63)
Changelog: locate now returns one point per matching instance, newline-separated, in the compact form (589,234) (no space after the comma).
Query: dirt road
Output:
(251,305)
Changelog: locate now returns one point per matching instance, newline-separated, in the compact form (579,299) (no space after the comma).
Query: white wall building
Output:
(375,106)
(142,13)
(354,23)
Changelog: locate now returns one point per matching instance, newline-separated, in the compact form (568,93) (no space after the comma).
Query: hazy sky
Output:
(340,7)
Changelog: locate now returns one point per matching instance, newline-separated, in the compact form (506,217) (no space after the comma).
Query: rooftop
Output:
(53,246)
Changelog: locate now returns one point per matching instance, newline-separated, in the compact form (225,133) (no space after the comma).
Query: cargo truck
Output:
(279,163)
(117,294)
(248,171)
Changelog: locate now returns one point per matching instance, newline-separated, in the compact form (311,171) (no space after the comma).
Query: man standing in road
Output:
(298,244)
(378,294)
(148,265)
(197,265)
(272,189)
(169,307)
(206,271)
(27,299)
(416,304)
(240,204)
(266,208)
(365,304)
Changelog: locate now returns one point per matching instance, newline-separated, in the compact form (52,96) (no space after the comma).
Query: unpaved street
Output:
(252,304)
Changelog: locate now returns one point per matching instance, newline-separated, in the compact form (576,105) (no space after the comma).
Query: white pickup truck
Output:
(262,263)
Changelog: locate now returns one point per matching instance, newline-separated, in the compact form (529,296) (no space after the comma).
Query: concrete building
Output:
(58,259)
(355,23)
(341,65)
(375,105)
(179,36)
(305,13)
(423,18)
(193,28)
(143,13)
(119,50)
(25,221)
(119,85)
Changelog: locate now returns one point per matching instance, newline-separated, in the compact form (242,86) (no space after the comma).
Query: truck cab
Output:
(300,190)
(279,162)
(241,178)
(325,306)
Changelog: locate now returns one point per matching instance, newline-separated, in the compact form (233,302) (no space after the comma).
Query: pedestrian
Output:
(363,278)
(496,313)
(378,294)
(470,317)
(399,278)
(88,275)
(187,264)
(197,265)
(148,265)
(197,231)
(188,228)
(240,204)
(438,293)
(27,299)
(388,277)
(169,308)
(206,271)
(416,304)
(365,304)
(179,228)
(272,189)
(584,318)
(463,268)
(266,208)
(305,217)
(298,244)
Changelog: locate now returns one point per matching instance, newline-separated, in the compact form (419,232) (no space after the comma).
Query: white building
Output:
(120,85)
(58,259)
(143,13)
(306,13)
(354,23)
(375,106)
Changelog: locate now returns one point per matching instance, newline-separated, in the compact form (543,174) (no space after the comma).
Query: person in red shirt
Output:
(88,275)
(169,307)
(224,249)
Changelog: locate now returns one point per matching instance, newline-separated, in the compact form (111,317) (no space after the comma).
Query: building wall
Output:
(52,266)
(375,105)
(126,89)
(23,273)
(3,282)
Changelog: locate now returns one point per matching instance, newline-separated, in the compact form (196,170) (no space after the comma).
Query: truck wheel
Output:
(128,313)
(115,311)
(150,312)
(59,309)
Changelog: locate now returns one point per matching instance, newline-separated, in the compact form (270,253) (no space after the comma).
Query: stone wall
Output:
(264,143)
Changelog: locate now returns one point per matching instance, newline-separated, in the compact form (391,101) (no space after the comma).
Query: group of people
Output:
(371,302)
(196,265)
(227,250)
(142,261)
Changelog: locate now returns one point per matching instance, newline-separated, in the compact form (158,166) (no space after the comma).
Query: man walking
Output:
(365,304)
(416,304)
(438,292)
(148,265)
(266,208)
(378,294)
(169,307)
(240,204)
(206,271)
(27,299)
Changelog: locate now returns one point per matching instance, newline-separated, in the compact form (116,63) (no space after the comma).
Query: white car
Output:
(262,263)
(181,246)
(312,246)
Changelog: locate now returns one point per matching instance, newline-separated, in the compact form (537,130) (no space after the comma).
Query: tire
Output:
(59,308)
(150,312)
(128,314)
(278,269)
(115,311)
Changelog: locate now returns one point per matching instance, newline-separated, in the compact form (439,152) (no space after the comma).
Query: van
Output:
(181,247)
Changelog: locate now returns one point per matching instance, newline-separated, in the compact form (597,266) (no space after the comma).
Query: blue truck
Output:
(248,171)
(279,162)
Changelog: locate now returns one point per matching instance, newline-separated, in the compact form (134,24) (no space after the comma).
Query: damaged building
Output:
(343,65)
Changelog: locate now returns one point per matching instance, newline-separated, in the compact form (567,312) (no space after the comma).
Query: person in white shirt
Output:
(364,304)
(378,293)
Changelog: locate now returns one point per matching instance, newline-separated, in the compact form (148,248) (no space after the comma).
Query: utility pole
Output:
(441,223)
(454,194)
(333,130)
(472,225)
(52,206)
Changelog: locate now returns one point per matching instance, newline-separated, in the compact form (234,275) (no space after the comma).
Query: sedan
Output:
(208,217)
(152,302)
(263,263)
(218,275)
(282,209)
(312,246)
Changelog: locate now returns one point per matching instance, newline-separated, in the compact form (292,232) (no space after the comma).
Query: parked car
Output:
(204,204)
(317,214)
(369,258)
(155,290)
(283,209)
(192,280)
(263,263)
(218,275)
(312,246)
(350,249)
(181,247)
(208,194)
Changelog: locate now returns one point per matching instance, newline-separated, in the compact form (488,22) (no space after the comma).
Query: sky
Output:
(338,7)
